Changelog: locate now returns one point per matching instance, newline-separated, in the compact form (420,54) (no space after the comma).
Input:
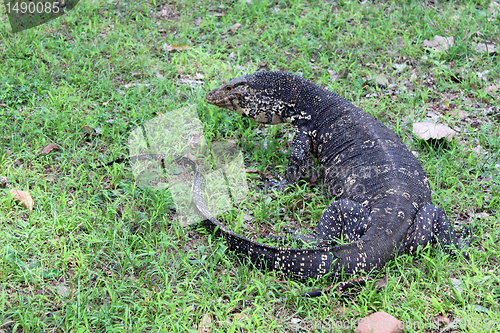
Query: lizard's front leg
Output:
(298,163)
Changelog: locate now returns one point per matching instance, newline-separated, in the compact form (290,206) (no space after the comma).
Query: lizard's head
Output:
(266,97)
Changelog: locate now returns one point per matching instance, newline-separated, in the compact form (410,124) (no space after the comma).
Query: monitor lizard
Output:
(382,203)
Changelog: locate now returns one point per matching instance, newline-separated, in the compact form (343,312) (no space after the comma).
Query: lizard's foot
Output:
(279,186)
(464,242)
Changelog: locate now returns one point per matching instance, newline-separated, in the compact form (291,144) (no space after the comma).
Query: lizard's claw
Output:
(279,186)
(465,242)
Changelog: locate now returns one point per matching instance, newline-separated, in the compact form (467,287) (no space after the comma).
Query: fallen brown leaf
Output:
(190,156)
(426,131)
(177,47)
(24,198)
(332,72)
(382,283)
(442,320)
(47,149)
(314,178)
(381,81)
(462,114)
(439,43)
(492,89)
(484,47)
(3,182)
(235,27)
(254,171)
(110,186)
(239,316)
(205,325)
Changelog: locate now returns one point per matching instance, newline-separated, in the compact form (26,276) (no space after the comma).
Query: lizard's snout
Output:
(211,96)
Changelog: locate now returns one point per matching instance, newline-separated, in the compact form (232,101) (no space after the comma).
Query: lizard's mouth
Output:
(212,98)
(224,102)
(220,102)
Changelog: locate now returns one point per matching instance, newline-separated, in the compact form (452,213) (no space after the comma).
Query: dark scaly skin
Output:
(383,198)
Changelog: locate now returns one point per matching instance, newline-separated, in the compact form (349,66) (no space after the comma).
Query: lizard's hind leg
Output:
(430,227)
(342,217)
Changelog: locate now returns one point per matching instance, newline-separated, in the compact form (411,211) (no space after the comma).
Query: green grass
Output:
(99,253)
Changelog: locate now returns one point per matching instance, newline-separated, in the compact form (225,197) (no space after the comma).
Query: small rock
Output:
(379,322)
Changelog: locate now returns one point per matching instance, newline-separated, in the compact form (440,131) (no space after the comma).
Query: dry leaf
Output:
(484,47)
(239,316)
(190,156)
(442,319)
(198,22)
(332,72)
(62,290)
(426,131)
(47,149)
(92,131)
(190,81)
(24,198)
(439,43)
(235,27)
(399,67)
(382,283)
(254,171)
(3,182)
(135,84)
(205,325)
(482,215)
(110,186)
(177,47)
(492,89)
(381,81)
(314,178)
(482,75)
(462,114)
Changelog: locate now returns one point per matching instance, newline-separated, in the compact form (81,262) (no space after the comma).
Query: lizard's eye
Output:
(228,88)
